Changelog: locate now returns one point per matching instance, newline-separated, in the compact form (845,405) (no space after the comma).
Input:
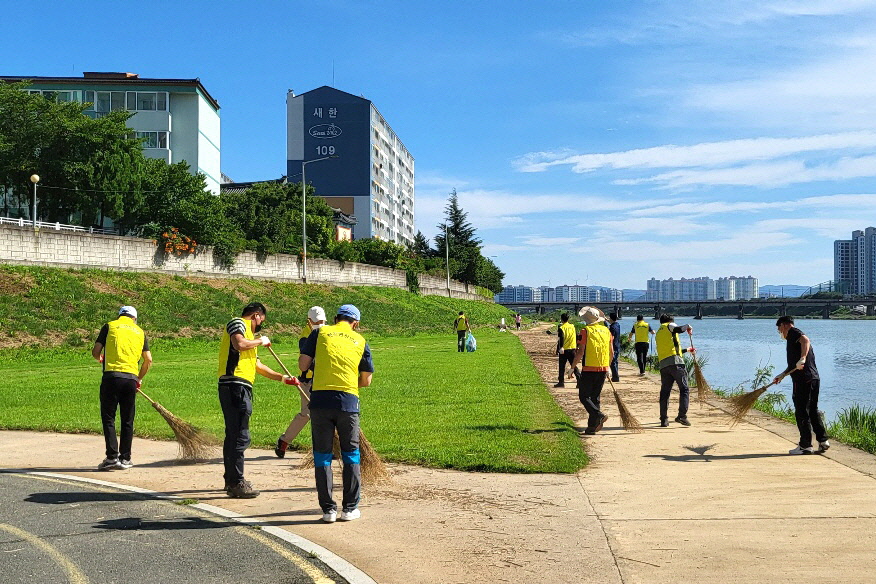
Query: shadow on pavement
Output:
(185,523)
(711,457)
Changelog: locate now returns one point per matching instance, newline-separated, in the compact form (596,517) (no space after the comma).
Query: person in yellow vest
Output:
(566,345)
(122,348)
(342,364)
(315,319)
(672,370)
(238,365)
(640,332)
(461,326)
(595,347)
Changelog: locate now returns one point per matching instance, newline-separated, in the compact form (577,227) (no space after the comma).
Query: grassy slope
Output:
(53,306)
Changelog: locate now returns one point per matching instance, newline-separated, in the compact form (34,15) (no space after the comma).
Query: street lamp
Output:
(304,211)
(34,178)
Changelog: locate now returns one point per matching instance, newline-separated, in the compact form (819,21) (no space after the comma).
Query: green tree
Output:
(85,165)
(421,247)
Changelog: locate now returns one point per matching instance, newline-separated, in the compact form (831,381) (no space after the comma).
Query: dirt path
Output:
(680,505)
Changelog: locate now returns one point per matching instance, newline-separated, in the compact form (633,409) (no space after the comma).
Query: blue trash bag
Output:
(471,345)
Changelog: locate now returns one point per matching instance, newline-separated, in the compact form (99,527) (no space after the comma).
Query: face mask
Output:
(316,326)
(257,328)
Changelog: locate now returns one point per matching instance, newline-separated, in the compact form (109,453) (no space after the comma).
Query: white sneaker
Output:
(329,517)
(125,464)
(110,464)
(350,515)
(798,450)
(823,446)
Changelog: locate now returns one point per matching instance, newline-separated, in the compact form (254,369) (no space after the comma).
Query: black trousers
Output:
(121,393)
(678,375)
(236,402)
(460,341)
(566,356)
(615,373)
(589,390)
(323,425)
(641,356)
(805,398)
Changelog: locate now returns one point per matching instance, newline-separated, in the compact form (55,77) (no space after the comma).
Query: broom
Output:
(194,443)
(740,405)
(372,467)
(628,420)
(703,388)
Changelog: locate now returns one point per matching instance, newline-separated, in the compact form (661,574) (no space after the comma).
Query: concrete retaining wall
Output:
(59,248)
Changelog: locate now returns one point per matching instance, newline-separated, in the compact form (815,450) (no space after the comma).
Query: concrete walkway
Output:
(702,504)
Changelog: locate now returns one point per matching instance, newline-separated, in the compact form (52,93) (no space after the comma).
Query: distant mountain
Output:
(633,295)
(786,290)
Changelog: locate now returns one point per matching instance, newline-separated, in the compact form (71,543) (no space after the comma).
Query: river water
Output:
(845,353)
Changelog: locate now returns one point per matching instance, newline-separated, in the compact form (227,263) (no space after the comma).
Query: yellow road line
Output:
(74,574)
(316,575)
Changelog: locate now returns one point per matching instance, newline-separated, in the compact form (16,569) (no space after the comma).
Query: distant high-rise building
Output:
(854,261)
(370,173)
(572,294)
(703,288)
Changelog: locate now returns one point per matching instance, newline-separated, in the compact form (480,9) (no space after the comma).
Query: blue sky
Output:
(600,143)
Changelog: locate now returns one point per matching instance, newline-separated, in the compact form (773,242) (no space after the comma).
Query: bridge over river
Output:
(641,307)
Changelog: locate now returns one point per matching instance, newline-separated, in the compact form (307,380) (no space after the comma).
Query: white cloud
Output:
(656,226)
(771,175)
(856,204)
(539,241)
(706,154)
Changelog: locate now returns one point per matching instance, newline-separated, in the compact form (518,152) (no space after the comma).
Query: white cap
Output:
(128,310)
(316,314)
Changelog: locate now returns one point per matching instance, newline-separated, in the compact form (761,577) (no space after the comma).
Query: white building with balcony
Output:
(177,119)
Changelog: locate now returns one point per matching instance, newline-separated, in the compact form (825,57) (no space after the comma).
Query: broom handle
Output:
(690,336)
(300,390)
(140,391)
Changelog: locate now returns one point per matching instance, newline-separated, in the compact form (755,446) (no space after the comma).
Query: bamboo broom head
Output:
(703,387)
(194,443)
(371,466)
(740,405)
(628,420)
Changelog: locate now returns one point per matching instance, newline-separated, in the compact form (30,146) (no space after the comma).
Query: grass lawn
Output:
(428,405)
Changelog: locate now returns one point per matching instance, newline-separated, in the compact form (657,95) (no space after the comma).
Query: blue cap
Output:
(351,311)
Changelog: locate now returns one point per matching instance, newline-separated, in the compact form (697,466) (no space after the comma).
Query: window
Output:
(147,101)
(108,101)
(153,139)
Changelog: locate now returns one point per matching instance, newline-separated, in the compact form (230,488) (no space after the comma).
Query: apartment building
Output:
(359,164)
(177,119)
(702,288)
(854,261)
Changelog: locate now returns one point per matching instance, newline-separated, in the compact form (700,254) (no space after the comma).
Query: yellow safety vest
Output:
(597,350)
(667,343)
(569,340)
(641,327)
(124,346)
(339,350)
(233,363)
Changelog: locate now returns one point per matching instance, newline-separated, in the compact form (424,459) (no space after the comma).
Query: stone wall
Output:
(69,249)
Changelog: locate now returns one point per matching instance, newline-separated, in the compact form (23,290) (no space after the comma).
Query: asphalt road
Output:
(58,531)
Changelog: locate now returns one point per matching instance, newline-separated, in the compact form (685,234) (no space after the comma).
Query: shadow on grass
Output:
(560,427)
